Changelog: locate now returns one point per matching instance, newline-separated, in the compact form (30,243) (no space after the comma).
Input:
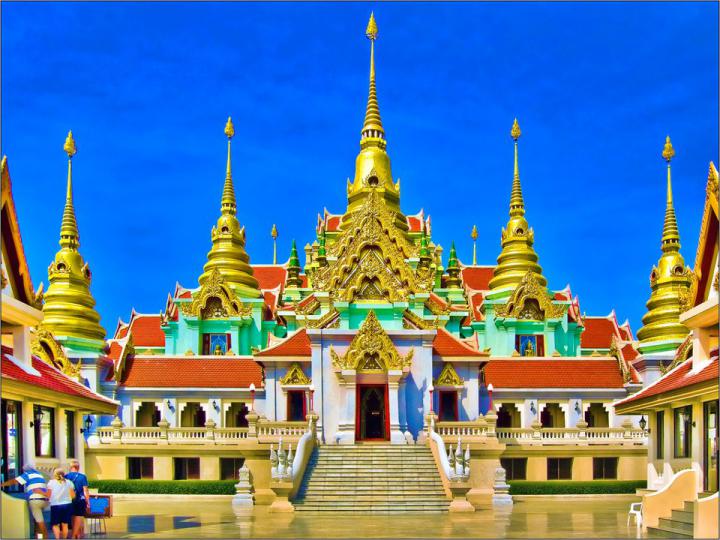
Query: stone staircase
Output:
(678,525)
(389,479)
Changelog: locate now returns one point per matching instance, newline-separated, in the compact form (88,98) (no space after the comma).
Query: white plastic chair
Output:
(635,510)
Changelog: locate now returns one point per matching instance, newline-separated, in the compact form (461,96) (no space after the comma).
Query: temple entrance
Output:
(372,413)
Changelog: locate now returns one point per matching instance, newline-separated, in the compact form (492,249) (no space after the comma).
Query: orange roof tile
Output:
(598,333)
(446,344)
(559,373)
(146,331)
(477,277)
(678,378)
(296,345)
(188,372)
(270,276)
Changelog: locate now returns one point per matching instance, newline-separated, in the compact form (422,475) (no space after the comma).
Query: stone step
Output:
(682,516)
(689,506)
(657,532)
(674,525)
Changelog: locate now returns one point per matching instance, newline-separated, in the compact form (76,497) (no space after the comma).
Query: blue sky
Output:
(146,89)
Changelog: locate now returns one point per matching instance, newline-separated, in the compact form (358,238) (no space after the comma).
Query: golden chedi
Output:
(372,166)
(670,282)
(69,309)
(517,257)
(228,255)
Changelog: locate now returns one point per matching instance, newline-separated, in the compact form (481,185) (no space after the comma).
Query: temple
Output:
(375,338)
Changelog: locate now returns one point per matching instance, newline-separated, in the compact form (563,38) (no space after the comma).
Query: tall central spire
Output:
(372,166)
(373,124)
(69,235)
(228,255)
(671,235)
(517,257)
(69,308)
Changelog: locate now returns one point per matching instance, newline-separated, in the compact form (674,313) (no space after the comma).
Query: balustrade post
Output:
(582,429)
(491,419)
(536,427)
(116,427)
(163,425)
(627,426)
(252,419)
(210,431)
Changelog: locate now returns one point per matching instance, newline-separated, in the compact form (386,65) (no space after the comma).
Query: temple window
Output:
(552,416)
(236,415)
(187,468)
(70,434)
(44,431)
(515,468)
(660,434)
(597,416)
(559,468)
(683,427)
(147,415)
(140,468)
(192,415)
(296,405)
(530,345)
(605,468)
(508,416)
(448,405)
(216,344)
(229,468)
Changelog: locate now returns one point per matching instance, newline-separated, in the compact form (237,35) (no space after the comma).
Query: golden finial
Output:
(372,30)
(69,147)
(474,235)
(274,234)
(515,131)
(668,151)
(229,128)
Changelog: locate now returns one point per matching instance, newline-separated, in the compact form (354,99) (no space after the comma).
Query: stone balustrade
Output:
(259,429)
(572,435)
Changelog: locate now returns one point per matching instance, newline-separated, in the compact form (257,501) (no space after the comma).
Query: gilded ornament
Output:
(3,278)
(448,377)
(617,353)
(69,147)
(44,346)
(371,350)
(530,301)
(308,308)
(412,321)
(684,351)
(331,319)
(668,150)
(295,376)
(215,300)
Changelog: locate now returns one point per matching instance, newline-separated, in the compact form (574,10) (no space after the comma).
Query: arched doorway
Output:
(372,421)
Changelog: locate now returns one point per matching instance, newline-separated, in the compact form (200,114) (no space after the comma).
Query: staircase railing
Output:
(705,517)
(682,487)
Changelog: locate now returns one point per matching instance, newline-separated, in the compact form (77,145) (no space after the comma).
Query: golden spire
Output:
(69,236)
(517,257)
(228,255)
(670,282)
(474,236)
(372,166)
(227,204)
(274,235)
(69,308)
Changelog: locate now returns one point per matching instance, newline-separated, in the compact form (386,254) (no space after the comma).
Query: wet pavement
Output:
(536,518)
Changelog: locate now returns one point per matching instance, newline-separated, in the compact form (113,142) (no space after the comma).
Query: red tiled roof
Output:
(185,294)
(477,277)
(559,373)
(629,352)
(296,345)
(332,223)
(49,378)
(476,302)
(446,344)
(598,333)
(625,333)
(188,372)
(122,332)
(270,276)
(146,331)
(414,223)
(114,350)
(680,377)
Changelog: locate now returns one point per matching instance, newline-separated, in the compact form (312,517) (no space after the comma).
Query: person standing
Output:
(61,494)
(33,482)
(81,502)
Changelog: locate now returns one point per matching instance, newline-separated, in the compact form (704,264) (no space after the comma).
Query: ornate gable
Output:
(295,376)
(370,260)
(215,300)
(44,346)
(371,350)
(530,301)
(449,377)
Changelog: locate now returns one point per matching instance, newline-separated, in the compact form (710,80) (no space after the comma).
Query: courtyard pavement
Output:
(536,518)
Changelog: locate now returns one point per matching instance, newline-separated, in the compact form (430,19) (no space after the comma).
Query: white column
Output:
(396,436)
(402,408)
(28,433)
(60,434)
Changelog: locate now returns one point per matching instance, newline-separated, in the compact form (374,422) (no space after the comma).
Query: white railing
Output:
(572,435)
(461,429)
